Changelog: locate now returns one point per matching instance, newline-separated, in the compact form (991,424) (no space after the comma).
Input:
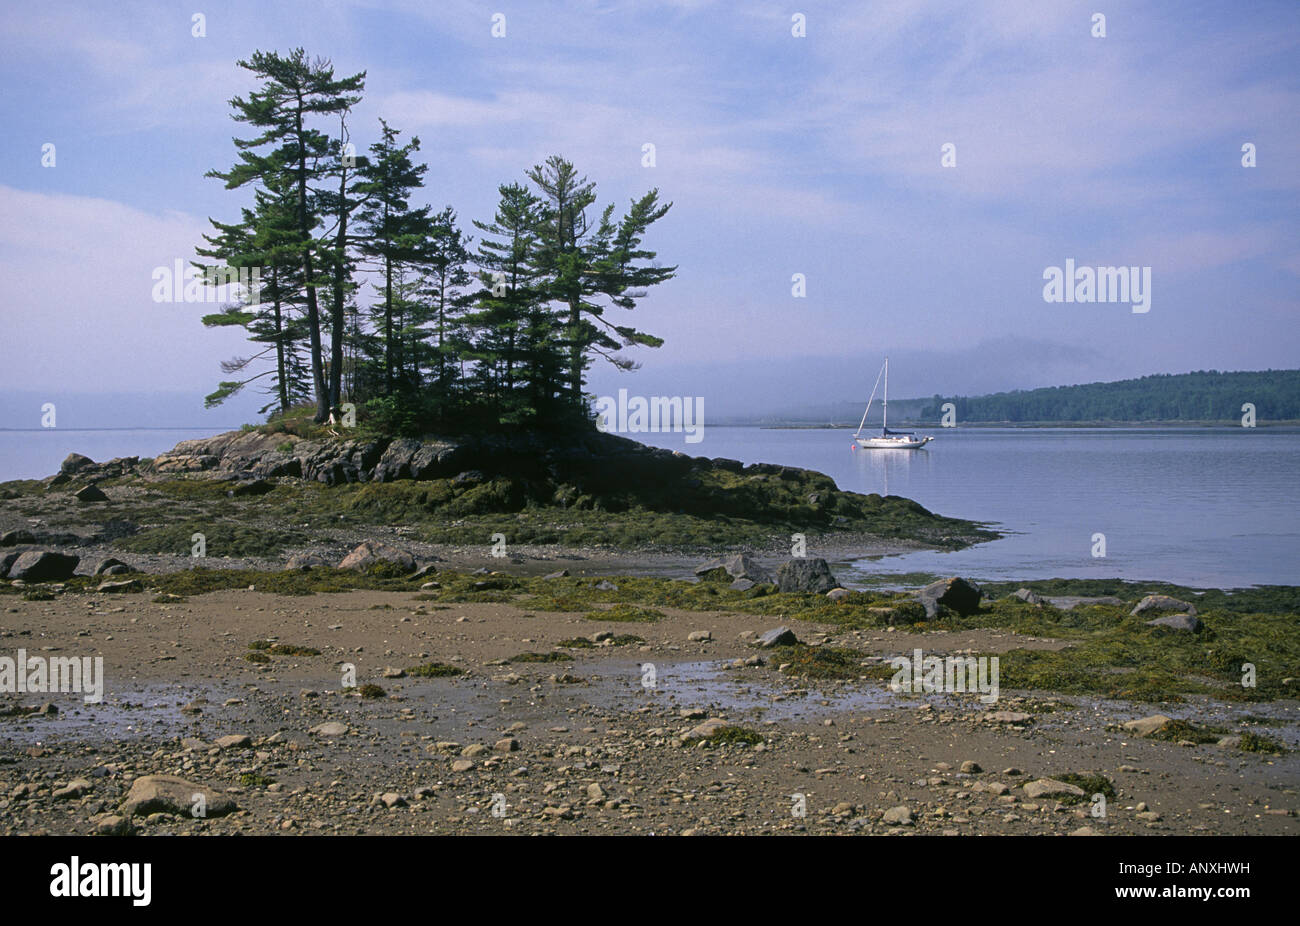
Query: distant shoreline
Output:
(1028,425)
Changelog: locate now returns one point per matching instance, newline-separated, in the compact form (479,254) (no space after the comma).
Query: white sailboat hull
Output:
(892,443)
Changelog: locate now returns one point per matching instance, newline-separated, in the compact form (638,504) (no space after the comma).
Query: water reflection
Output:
(879,469)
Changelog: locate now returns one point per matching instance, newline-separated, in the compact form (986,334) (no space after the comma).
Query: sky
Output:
(819,155)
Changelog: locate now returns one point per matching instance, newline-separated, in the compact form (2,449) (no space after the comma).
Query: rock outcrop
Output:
(806,575)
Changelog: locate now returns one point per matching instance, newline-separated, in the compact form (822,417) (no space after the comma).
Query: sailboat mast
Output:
(884,405)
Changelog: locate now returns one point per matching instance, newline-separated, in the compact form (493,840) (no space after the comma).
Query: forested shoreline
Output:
(1202,396)
(451,333)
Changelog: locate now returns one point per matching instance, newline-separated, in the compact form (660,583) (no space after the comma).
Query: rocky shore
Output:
(327,668)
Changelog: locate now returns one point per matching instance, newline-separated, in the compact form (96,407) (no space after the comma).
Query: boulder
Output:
(1162,603)
(174,795)
(371,553)
(1027,596)
(898,816)
(301,562)
(1148,726)
(806,575)
(1070,602)
(837,594)
(249,487)
(706,729)
(126,585)
(736,566)
(329,728)
(111,567)
(1050,787)
(396,460)
(44,566)
(91,493)
(16,537)
(780,636)
(74,463)
(955,593)
(1186,622)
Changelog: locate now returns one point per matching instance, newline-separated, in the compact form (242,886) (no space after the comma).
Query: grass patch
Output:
(621,639)
(1257,742)
(254,780)
(1091,783)
(830,662)
(625,613)
(435,670)
(371,692)
(221,538)
(540,657)
(282,649)
(1177,731)
(728,736)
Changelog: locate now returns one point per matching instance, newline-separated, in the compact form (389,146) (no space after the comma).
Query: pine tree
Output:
(584,265)
(293,92)
(393,231)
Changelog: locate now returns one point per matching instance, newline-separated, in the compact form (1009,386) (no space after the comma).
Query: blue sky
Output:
(817,155)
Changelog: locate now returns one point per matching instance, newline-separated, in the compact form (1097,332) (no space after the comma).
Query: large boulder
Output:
(1186,622)
(1158,603)
(91,493)
(372,552)
(396,460)
(955,593)
(44,566)
(174,795)
(779,636)
(301,562)
(736,566)
(806,575)
(111,566)
(75,463)
(16,537)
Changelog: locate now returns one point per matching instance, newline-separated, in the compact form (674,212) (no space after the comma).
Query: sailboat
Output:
(888,440)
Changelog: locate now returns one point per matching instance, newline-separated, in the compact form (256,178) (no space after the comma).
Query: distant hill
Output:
(1200,396)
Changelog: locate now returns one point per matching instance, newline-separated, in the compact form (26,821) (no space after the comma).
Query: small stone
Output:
(970,767)
(74,789)
(331,728)
(1050,787)
(392,799)
(233,741)
(1148,726)
(699,636)
(898,816)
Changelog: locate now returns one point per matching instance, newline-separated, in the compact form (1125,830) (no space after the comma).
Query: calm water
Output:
(1205,507)
(1196,506)
(36,454)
